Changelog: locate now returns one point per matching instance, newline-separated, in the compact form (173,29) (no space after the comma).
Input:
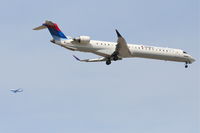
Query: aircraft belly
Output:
(98,50)
(104,52)
(166,57)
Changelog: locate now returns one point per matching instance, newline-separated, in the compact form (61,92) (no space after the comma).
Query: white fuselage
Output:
(105,49)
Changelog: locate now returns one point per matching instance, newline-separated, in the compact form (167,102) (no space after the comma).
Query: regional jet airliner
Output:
(16,90)
(113,51)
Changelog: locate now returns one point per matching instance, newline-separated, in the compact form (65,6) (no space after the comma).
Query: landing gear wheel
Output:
(108,62)
(115,58)
(186,66)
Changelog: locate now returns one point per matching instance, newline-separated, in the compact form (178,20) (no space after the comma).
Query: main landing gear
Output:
(108,61)
(114,57)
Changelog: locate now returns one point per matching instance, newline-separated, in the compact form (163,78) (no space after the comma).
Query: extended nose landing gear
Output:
(186,65)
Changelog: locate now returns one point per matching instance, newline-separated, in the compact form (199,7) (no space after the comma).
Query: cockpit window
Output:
(184,52)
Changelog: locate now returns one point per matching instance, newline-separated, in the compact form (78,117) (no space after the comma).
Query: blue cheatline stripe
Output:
(57,35)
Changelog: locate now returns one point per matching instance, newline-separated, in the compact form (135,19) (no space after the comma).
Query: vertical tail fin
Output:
(53,28)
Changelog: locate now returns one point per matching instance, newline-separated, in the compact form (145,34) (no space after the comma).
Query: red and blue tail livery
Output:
(53,28)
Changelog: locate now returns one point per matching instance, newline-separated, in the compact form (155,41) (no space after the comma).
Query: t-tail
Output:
(53,28)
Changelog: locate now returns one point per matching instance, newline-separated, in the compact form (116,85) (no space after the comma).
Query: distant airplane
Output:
(111,51)
(16,90)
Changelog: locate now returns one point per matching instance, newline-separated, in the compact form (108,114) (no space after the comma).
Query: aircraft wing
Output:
(20,90)
(91,60)
(16,90)
(104,52)
(122,47)
(13,90)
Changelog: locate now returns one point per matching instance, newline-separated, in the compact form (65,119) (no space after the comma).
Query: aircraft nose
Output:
(192,59)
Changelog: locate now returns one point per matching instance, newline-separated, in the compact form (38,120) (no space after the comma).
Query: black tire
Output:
(186,66)
(108,62)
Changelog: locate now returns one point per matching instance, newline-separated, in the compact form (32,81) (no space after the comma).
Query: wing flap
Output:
(90,60)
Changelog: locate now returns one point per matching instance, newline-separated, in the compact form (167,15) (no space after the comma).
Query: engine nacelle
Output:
(83,39)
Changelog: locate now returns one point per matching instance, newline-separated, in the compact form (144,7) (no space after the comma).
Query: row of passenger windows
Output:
(153,49)
(108,44)
(140,47)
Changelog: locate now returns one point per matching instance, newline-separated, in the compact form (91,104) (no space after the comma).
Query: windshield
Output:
(184,52)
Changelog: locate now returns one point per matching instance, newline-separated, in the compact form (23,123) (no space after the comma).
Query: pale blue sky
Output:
(133,95)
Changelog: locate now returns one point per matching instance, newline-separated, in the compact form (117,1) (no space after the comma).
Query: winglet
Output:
(118,34)
(76,58)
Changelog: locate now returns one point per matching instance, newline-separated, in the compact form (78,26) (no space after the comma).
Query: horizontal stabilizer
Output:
(40,27)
